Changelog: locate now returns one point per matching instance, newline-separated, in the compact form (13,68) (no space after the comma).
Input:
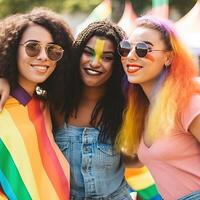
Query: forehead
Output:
(145,34)
(36,32)
(96,40)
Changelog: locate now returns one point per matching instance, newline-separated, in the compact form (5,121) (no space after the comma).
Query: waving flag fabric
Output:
(160,8)
(127,20)
(141,181)
(189,29)
(101,12)
(31,165)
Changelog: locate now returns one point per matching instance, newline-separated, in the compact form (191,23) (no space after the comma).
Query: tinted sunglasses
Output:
(141,49)
(54,52)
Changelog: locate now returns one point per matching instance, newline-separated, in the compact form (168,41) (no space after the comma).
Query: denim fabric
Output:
(96,168)
(192,196)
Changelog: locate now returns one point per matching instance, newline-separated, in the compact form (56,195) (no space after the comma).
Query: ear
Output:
(169,58)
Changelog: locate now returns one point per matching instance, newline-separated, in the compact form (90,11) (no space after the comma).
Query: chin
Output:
(131,80)
(136,80)
(39,80)
(91,85)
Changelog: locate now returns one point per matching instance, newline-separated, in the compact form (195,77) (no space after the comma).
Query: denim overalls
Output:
(96,169)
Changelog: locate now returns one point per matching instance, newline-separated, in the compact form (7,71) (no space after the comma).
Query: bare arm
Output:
(194,128)
(4,92)
(131,161)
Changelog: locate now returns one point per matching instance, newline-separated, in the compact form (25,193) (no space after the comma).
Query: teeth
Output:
(92,72)
(133,67)
(40,67)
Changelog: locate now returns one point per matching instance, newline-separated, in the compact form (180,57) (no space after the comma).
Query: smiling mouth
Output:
(40,68)
(92,72)
(133,68)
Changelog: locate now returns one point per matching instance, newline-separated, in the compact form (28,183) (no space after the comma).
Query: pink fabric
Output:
(174,160)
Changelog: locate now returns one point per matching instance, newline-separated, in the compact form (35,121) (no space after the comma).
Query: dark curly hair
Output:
(111,105)
(11,31)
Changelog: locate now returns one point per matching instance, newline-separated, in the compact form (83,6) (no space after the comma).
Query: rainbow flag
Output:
(160,8)
(141,181)
(31,165)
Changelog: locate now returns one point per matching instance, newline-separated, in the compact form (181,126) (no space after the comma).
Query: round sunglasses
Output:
(141,49)
(54,52)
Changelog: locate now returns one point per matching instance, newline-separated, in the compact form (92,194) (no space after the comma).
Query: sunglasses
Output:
(141,49)
(54,52)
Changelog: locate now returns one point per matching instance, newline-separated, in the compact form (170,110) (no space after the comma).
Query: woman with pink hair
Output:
(162,118)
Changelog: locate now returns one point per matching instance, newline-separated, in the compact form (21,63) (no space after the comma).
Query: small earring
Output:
(167,66)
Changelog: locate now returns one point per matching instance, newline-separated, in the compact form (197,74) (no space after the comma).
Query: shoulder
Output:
(194,103)
(192,112)
(195,127)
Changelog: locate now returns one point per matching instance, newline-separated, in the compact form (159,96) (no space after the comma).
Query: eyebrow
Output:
(38,41)
(147,42)
(104,52)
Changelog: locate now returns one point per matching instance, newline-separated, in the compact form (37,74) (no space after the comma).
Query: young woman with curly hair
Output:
(35,51)
(93,115)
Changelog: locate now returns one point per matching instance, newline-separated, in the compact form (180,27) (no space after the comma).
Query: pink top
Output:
(174,161)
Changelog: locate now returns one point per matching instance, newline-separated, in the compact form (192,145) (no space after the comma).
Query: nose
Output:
(42,55)
(132,55)
(95,62)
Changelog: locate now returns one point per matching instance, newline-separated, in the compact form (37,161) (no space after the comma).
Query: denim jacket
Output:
(97,171)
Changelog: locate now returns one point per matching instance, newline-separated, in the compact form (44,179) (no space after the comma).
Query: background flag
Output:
(141,181)
(127,20)
(160,8)
(101,12)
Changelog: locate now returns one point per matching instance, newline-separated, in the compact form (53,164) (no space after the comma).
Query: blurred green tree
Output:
(8,7)
(80,5)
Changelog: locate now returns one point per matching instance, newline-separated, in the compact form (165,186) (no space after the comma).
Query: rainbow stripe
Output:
(31,165)
(141,181)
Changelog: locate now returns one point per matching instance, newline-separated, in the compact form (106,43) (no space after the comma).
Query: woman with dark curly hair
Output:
(93,111)
(35,51)
(94,116)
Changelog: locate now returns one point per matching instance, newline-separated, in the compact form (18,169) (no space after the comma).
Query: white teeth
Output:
(40,68)
(92,72)
(133,67)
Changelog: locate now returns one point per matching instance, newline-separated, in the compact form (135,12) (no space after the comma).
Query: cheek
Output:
(53,67)
(124,65)
(23,71)
(22,60)
(84,59)
(109,70)
(150,57)
(123,59)
(21,55)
